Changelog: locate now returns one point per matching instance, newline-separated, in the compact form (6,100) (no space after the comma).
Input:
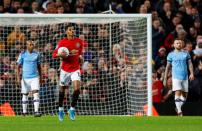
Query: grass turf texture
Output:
(101,123)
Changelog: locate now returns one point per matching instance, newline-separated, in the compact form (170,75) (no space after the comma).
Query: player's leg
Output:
(61,99)
(76,84)
(185,85)
(24,90)
(24,103)
(35,91)
(177,87)
(178,101)
(64,82)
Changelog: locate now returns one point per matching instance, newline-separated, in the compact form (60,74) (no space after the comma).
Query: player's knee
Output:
(35,91)
(24,97)
(36,96)
(62,88)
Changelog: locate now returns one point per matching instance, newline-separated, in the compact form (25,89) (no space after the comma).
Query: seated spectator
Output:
(192,35)
(35,7)
(198,50)
(161,58)
(168,43)
(167,93)
(157,87)
(157,37)
(89,82)
(195,86)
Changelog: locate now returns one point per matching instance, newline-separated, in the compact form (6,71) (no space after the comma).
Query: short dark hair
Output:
(70,25)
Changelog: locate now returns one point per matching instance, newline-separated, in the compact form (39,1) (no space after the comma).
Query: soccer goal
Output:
(116,74)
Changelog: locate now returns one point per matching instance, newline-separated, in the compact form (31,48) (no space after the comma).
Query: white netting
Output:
(114,75)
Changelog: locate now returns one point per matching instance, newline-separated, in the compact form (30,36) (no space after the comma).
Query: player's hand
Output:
(191,77)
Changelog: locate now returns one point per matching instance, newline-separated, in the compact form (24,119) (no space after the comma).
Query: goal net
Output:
(116,74)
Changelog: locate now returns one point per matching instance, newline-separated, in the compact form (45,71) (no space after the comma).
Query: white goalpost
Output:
(117,70)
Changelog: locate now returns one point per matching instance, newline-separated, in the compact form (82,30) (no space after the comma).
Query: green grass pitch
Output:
(101,123)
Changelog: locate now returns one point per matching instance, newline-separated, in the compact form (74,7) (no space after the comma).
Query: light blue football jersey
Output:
(179,62)
(29,63)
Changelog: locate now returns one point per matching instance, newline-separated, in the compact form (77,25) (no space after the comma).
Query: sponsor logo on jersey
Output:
(74,52)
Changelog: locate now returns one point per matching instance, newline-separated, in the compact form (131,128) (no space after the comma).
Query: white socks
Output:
(72,108)
(61,108)
(24,103)
(36,102)
(178,103)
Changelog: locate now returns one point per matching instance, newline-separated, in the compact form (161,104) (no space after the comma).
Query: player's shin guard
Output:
(178,103)
(75,98)
(24,103)
(36,102)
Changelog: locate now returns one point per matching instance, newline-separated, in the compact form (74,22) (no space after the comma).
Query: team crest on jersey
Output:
(77,45)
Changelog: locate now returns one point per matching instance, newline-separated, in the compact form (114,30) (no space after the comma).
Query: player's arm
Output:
(19,66)
(81,60)
(191,76)
(39,68)
(168,67)
(18,74)
(40,74)
(81,51)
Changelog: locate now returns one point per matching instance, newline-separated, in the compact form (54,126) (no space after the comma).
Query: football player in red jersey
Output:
(70,69)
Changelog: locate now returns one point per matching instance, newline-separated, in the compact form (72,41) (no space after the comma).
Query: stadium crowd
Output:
(170,19)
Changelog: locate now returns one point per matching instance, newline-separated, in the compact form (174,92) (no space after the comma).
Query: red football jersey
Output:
(75,47)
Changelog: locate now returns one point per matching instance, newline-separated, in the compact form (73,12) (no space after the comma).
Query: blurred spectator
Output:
(1,9)
(192,35)
(157,37)
(35,7)
(195,86)
(5,64)
(143,9)
(197,26)
(20,11)
(89,82)
(189,47)
(15,5)
(157,87)
(16,36)
(161,58)
(167,93)
(168,43)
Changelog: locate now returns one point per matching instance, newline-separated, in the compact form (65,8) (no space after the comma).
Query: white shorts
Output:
(30,85)
(180,85)
(67,77)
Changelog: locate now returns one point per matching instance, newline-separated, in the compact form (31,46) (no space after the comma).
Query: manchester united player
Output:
(70,69)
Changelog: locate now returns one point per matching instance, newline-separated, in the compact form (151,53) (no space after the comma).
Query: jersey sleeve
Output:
(20,59)
(188,56)
(56,49)
(169,58)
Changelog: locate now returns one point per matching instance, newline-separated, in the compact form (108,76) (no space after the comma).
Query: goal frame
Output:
(110,16)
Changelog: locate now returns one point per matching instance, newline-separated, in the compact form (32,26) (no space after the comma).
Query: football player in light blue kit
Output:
(180,62)
(29,61)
